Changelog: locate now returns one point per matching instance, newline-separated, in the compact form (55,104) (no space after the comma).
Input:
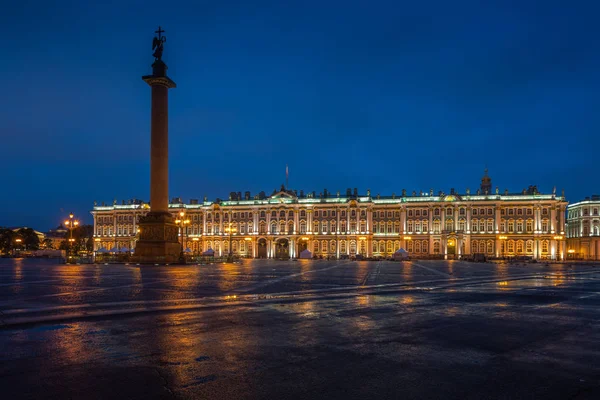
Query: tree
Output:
(30,239)
(7,237)
(47,243)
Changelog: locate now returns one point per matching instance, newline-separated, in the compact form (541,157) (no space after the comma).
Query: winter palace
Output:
(443,225)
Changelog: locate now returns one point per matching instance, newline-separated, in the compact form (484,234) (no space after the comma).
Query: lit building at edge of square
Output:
(583,229)
(332,224)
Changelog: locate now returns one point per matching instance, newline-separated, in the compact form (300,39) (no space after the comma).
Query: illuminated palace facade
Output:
(583,229)
(285,223)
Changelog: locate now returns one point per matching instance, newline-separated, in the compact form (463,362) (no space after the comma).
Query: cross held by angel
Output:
(157,44)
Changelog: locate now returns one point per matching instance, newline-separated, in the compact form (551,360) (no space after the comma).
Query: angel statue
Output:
(157,44)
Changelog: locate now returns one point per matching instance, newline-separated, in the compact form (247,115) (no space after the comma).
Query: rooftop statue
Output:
(157,44)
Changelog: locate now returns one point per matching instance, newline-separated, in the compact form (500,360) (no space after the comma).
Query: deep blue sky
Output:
(368,94)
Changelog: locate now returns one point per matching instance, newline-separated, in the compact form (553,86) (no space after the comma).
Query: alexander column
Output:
(158,231)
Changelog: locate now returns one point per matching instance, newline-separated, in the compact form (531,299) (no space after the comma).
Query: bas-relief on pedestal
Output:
(158,232)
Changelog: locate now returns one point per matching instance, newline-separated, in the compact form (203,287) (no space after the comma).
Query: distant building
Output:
(583,229)
(57,235)
(332,224)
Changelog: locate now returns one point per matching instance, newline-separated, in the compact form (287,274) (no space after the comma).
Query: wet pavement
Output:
(300,329)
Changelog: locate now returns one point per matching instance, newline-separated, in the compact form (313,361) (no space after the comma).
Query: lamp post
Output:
(71,223)
(181,221)
(503,241)
(231,229)
(18,241)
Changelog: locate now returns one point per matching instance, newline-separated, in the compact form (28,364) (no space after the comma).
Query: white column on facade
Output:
(468,224)
(553,220)
(430,227)
(497,220)
(403,219)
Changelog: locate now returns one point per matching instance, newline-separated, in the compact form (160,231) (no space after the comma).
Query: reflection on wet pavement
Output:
(309,329)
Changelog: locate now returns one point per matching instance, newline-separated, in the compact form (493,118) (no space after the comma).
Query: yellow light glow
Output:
(558,237)
(503,237)
(407,238)
(571,251)
(67,222)
(181,213)
(450,242)
(362,238)
(76,223)
(71,215)
(97,240)
(18,240)
(195,239)
(304,238)
(248,239)
(177,221)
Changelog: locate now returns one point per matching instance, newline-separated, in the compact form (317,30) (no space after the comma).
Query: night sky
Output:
(369,94)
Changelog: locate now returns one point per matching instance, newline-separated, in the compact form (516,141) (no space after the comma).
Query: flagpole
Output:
(287,177)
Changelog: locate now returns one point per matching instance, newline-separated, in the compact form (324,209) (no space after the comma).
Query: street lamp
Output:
(181,223)
(231,230)
(71,223)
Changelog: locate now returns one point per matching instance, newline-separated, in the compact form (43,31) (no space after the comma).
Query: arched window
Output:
(436,226)
(529,225)
(282,227)
(342,246)
(382,247)
(481,225)
(449,211)
(511,246)
(436,247)
(332,226)
(262,227)
(332,247)
(449,225)
(544,225)
(343,226)
(375,248)
(316,227)
(490,247)
(316,246)
(353,247)
(520,247)
(418,226)
(409,225)
(519,225)
(544,246)
(324,226)
(390,247)
(396,227)
(363,226)
(273,227)
(290,227)
(461,224)
(409,246)
(425,225)
(490,225)
(474,244)
(303,213)
(417,246)
(390,227)
(324,246)
(424,246)
(302,227)
(511,226)
(529,247)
